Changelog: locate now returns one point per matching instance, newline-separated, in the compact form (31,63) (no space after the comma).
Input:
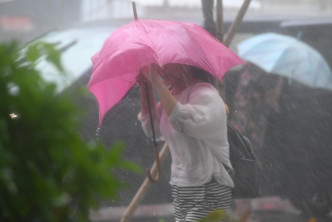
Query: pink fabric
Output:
(143,42)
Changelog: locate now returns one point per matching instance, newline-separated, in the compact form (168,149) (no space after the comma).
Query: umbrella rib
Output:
(150,40)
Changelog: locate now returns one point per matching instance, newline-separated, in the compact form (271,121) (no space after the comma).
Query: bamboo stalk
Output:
(144,187)
(229,37)
(220,20)
(232,30)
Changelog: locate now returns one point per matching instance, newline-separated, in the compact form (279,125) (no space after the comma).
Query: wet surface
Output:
(277,216)
(265,209)
(273,209)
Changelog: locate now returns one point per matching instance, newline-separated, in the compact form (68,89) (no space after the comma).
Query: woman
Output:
(191,118)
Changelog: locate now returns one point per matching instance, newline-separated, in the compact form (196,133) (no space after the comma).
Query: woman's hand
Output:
(151,73)
(141,79)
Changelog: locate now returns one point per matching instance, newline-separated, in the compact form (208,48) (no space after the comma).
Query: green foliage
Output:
(215,216)
(40,49)
(47,172)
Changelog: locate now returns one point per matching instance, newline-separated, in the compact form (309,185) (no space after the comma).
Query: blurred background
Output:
(292,142)
(26,20)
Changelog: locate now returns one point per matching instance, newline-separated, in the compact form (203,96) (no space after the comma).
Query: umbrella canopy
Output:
(144,42)
(289,57)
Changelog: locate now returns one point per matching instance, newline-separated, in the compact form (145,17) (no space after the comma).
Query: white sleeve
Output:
(203,115)
(146,124)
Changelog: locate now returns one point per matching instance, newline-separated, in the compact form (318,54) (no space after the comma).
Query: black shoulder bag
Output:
(246,171)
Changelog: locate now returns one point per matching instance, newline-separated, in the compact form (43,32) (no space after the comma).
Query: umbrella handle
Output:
(148,171)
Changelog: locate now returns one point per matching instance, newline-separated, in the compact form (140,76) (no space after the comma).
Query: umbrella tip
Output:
(134,10)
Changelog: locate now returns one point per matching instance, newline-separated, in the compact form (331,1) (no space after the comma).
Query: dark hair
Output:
(203,75)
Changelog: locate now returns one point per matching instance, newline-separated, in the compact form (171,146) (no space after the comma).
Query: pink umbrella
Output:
(143,42)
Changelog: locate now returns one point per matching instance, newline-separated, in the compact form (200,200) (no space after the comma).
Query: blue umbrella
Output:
(289,57)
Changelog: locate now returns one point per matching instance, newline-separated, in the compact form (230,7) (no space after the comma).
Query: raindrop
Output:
(13,115)
(98,134)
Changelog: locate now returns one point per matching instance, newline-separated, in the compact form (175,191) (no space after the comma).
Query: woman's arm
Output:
(167,100)
(204,116)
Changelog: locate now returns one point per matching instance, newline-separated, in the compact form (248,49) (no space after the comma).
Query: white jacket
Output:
(196,133)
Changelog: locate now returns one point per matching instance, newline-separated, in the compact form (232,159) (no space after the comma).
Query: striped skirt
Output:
(195,203)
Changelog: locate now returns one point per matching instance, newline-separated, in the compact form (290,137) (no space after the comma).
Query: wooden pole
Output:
(232,30)
(220,21)
(144,187)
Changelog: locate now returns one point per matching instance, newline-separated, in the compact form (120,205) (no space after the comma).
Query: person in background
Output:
(191,117)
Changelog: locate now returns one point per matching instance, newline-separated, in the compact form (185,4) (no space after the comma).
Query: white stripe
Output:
(195,203)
